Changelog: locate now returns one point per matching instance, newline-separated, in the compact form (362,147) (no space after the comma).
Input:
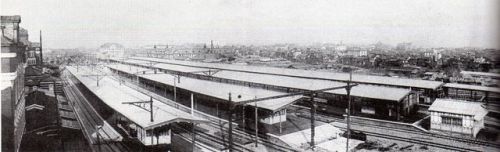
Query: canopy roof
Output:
(216,89)
(369,79)
(114,95)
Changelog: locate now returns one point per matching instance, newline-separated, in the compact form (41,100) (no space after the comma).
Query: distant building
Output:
(12,83)
(111,50)
(33,54)
(406,46)
(464,118)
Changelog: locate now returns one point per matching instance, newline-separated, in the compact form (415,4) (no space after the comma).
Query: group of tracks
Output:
(328,119)
(216,141)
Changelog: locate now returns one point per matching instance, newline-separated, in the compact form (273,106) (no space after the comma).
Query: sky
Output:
(425,23)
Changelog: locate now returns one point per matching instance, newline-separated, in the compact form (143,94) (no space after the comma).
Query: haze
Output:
(426,23)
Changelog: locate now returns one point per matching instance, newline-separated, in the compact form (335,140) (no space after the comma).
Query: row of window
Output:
(451,120)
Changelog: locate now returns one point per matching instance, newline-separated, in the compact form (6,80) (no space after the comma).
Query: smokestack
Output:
(41,52)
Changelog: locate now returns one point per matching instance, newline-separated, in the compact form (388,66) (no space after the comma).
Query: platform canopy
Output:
(362,90)
(460,107)
(375,92)
(472,87)
(368,79)
(217,89)
(475,73)
(114,95)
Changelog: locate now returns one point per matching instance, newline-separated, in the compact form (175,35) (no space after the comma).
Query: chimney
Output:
(41,52)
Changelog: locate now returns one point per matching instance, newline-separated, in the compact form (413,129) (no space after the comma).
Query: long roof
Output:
(472,87)
(480,73)
(113,94)
(216,89)
(474,109)
(426,84)
(364,91)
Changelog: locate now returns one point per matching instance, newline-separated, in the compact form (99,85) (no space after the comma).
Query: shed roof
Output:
(309,74)
(364,91)
(490,74)
(474,109)
(218,90)
(472,87)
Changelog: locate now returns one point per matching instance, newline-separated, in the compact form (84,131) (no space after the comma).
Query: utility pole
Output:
(230,117)
(151,107)
(256,124)
(313,112)
(348,89)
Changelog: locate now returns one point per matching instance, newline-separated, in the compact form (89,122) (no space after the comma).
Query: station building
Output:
(457,117)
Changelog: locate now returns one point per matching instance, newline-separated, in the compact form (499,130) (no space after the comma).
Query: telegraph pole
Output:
(151,108)
(313,112)
(348,89)
(256,124)
(230,117)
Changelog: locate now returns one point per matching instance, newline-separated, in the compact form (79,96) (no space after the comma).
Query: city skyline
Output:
(135,23)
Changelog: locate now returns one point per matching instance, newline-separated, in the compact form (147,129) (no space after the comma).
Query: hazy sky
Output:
(427,23)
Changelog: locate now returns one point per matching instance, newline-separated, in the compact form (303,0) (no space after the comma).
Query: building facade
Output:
(12,83)
(463,119)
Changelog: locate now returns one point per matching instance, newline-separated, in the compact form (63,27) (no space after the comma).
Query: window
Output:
(451,120)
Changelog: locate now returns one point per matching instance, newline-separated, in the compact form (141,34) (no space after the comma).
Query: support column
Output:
(279,114)
(192,105)
(398,111)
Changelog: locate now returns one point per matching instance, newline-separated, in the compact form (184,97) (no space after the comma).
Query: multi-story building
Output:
(33,54)
(12,83)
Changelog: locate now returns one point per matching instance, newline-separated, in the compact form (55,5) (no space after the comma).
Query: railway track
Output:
(213,140)
(214,122)
(243,134)
(412,140)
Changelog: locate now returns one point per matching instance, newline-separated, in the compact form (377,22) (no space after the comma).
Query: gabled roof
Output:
(462,107)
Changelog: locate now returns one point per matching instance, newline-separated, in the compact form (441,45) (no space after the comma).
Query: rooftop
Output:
(11,19)
(365,91)
(216,89)
(113,94)
(308,74)
(472,87)
(474,109)
(480,73)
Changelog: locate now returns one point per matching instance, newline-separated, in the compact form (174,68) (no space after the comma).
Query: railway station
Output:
(134,115)
(426,91)
(369,100)
(211,97)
